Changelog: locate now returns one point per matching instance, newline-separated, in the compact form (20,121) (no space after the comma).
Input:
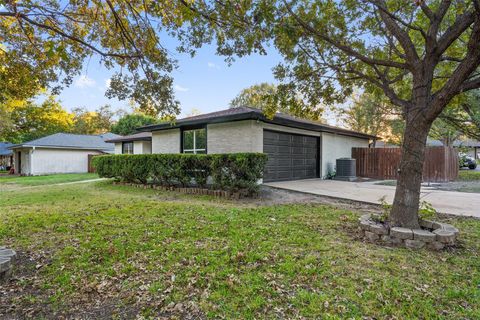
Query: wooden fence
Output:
(91,168)
(441,163)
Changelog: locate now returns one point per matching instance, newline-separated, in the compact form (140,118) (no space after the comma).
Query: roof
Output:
(73,141)
(469,143)
(247,113)
(4,151)
(142,136)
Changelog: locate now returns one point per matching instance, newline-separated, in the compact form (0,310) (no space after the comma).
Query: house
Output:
(296,148)
(59,153)
(470,147)
(139,143)
(6,155)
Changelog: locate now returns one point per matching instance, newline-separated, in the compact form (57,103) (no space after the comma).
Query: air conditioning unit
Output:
(346,169)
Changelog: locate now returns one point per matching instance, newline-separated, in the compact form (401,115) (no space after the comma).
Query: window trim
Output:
(123,146)
(182,150)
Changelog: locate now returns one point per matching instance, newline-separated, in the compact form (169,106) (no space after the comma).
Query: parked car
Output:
(467,162)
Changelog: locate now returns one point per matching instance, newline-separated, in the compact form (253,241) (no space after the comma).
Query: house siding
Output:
(118,148)
(47,161)
(231,137)
(166,141)
(336,146)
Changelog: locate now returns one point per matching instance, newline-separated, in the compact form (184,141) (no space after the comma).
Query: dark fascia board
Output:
(253,115)
(129,139)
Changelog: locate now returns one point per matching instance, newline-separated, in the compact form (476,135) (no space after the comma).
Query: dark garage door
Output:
(290,156)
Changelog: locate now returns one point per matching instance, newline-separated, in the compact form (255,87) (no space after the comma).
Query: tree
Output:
(92,122)
(268,98)
(420,54)
(29,120)
(129,123)
(44,45)
(463,116)
(371,114)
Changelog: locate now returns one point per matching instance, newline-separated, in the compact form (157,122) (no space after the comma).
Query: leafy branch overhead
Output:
(45,44)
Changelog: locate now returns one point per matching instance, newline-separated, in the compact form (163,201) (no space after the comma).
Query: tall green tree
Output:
(129,123)
(29,120)
(45,43)
(372,114)
(420,54)
(92,122)
(271,98)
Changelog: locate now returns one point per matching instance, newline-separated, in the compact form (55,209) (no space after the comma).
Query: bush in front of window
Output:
(235,172)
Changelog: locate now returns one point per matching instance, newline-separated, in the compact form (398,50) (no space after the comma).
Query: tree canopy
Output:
(27,120)
(269,98)
(373,114)
(129,123)
(45,44)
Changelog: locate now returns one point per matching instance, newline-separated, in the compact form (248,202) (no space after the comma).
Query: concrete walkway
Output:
(451,202)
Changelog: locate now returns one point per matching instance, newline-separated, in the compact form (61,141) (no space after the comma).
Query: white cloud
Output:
(180,88)
(84,82)
(212,65)
(107,83)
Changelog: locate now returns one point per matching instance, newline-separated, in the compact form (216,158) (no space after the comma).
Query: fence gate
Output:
(91,168)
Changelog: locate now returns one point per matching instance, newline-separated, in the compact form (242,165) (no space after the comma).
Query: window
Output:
(195,141)
(127,147)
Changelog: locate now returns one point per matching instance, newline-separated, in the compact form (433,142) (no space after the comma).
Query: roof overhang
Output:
(20,146)
(129,139)
(255,115)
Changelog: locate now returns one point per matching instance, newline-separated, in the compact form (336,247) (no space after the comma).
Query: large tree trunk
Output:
(407,196)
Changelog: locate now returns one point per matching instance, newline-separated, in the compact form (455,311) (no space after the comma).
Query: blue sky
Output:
(205,82)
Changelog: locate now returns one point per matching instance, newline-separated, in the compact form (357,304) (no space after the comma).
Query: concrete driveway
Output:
(451,202)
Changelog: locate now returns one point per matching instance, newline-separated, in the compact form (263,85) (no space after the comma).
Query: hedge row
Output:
(232,172)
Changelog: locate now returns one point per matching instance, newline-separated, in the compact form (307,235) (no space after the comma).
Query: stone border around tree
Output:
(432,235)
(7,258)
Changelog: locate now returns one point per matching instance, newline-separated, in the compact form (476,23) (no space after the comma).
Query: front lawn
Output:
(101,251)
(47,179)
(469,175)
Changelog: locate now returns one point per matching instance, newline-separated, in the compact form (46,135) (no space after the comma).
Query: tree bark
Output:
(404,212)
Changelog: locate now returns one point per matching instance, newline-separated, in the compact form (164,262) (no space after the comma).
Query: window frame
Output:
(194,150)
(124,143)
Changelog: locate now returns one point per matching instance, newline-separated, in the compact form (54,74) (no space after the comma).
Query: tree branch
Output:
(346,49)
(68,36)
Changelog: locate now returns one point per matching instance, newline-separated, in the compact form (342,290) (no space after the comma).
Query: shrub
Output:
(235,172)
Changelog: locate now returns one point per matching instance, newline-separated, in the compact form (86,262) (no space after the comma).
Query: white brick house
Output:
(296,148)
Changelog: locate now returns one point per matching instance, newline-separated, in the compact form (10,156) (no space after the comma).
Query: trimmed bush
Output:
(235,172)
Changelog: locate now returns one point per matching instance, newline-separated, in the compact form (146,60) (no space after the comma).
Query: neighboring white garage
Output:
(296,148)
(59,153)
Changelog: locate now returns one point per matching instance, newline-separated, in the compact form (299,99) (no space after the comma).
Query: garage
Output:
(290,156)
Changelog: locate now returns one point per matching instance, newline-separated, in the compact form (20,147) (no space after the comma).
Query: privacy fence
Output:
(441,163)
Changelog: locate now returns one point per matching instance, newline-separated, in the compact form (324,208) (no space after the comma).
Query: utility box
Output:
(346,169)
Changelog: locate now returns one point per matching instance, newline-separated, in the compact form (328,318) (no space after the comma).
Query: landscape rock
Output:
(445,236)
(371,236)
(401,233)
(423,235)
(427,224)
(378,229)
(414,244)
(8,253)
(435,245)
(449,227)
(365,225)
(5,264)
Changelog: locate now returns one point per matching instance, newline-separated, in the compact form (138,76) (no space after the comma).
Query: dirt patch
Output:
(270,196)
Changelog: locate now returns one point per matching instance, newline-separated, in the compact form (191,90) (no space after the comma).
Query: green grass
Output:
(107,245)
(47,179)
(468,175)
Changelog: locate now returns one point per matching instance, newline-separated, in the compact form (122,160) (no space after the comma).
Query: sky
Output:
(205,82)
